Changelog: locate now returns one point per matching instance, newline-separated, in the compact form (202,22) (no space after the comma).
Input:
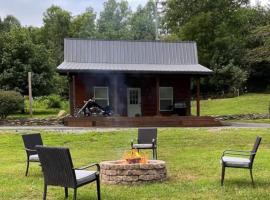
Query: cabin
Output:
(138,80)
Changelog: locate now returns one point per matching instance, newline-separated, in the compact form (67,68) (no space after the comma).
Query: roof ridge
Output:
(129,40)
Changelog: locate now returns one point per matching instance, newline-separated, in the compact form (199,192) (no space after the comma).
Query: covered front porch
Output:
(135,95)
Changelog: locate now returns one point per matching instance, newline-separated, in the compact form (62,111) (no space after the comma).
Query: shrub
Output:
(54,101)
(10,103)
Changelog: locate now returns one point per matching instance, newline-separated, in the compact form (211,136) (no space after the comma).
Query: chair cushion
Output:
(235,161)
(34,158)
(84,176)
(142,146)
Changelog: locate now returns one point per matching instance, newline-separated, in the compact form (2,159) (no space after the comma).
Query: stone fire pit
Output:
(120,172)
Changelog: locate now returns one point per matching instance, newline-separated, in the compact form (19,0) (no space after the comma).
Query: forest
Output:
(233,40)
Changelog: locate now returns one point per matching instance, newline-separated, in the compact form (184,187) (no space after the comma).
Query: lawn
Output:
(192,157)
(244,104)
(41,110)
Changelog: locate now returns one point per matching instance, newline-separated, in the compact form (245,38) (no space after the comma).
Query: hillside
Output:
(244,104)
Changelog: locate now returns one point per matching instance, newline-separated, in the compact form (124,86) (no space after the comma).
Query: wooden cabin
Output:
(137,79)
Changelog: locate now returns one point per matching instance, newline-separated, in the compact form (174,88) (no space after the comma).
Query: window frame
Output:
(171,98)
(108,97)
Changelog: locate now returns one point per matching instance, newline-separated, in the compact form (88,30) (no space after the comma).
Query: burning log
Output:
(133,157)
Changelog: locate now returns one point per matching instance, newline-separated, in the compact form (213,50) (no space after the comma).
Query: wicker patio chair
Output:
(58,170)
(30,141)
(147,139)
(243,160)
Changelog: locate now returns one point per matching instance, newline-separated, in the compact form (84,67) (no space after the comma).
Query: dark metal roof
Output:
(130,56)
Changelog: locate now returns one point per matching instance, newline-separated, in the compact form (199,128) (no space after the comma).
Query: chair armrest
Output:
(153,142)
(132,142)
(88,166)
(30,150)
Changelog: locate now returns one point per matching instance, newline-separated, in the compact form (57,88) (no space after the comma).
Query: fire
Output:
(133,156)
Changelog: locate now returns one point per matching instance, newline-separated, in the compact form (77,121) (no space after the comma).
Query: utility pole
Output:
(30,93)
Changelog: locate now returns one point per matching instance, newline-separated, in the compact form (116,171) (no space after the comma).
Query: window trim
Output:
(108,98)
(171,98)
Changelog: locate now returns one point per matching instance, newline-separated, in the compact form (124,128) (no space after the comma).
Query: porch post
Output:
(157,92)
(198,96)
(115,95)
(73,94)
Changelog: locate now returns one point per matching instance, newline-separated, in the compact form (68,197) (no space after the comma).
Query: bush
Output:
(10,103)
(54,101)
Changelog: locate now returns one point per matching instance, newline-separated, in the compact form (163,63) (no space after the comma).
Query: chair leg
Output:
(222,175)
(27,167)
(251,175)
(153,154)
(156,153)
(45,192)
(66,192)
(75,194)
(98,188)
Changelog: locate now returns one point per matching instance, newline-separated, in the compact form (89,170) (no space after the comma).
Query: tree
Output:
(229,78)
(179,12)
(56,28)
(221,29)
(83,25)
(258,58)
(114,21)
(9,22)
(20,55)
(143,22)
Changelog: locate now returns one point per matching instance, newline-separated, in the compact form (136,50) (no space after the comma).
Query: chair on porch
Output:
(243,160)
(147,139)
(58,170)
(30,141)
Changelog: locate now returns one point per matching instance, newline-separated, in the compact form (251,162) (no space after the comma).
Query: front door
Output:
(134,102)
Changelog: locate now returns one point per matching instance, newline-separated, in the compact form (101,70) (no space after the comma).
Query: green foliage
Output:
(229,78)
(113,22)
(19,55)
(56,28)
(143,22)
(232,39)
(222,30)
(8,23)
(10,102)
(54,101)
(83,25)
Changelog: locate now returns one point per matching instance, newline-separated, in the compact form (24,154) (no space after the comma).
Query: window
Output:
(101,95)
(165,98)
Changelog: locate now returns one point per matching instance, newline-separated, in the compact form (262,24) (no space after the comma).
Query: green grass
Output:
(40,110)
(192,157)
(245,104)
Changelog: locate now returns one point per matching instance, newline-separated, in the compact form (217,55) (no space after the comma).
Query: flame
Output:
(133,156)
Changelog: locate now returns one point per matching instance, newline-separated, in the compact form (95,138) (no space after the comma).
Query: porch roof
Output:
(133,68)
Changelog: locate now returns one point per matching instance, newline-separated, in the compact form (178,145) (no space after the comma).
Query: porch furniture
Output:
(147,139)
(243,160)
(58,170)
(30,141)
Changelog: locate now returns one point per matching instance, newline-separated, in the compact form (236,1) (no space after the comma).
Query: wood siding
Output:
(85,83)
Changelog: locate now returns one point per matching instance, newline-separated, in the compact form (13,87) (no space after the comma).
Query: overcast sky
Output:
(30,12)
